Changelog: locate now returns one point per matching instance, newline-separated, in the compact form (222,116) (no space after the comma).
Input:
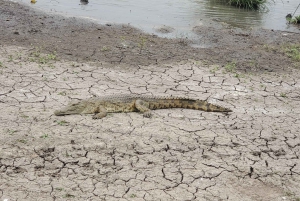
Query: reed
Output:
(248,4)
(294,20)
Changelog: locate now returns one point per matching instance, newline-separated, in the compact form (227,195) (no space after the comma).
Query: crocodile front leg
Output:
(143,107)
(101,113)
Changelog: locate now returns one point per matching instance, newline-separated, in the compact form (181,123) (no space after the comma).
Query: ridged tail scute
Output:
(188,104)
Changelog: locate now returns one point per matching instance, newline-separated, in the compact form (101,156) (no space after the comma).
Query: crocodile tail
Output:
(185,103)
(208,107)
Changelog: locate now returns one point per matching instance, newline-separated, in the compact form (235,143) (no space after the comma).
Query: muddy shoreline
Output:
(250,154)
(81,40)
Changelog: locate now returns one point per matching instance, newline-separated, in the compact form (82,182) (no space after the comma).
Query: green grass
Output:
(67,154)
(24,116)
(44,136)
(294,20)
(290,50)
(11,132)
(22,141)
(248,4)
(1,65)
(142,43)
(62,123)
(38,57)
(69,196)
(283,95)
(230,67)
(59,189)
(10,58)
(133,195)
(216,68)
(293,51)
(62,93)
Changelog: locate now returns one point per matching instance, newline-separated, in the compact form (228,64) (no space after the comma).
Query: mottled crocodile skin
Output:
(100,106)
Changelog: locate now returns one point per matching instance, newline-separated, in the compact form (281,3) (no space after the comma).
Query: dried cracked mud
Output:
(178,154)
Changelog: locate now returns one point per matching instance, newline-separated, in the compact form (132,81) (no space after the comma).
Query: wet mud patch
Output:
(164,29)
(81,40)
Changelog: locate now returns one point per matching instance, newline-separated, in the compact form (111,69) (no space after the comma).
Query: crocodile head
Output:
(72,108)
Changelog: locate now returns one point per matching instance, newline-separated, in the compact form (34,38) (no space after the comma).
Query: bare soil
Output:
(80,40)
(48,60)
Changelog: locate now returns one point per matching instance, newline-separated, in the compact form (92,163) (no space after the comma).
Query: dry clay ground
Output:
(178,154)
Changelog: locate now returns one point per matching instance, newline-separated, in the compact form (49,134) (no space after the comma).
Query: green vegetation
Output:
(10,58)
(22,141)
(216,68)
(248,4)
(290,50)
(142,43)
(293,51)
(11,132)
(230,67)
(133,195)
(67,154)
(270,48)
(1,64)
(62,123)
(24,116)
(38,57)
(293,20)
(62,93)
(283,95)
(35,55)
(44,136)
(104,49)
(69,196)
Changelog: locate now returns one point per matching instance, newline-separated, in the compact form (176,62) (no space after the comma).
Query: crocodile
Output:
(100,106)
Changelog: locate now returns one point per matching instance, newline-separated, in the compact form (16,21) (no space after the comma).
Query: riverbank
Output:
(82,40)
(250,154)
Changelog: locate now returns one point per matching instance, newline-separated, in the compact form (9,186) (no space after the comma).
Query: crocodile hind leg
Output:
(101,113)
(143,107)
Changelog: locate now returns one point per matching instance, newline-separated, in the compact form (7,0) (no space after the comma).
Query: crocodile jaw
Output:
(74,108)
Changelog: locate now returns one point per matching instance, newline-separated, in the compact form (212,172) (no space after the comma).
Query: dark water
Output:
(181,15)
